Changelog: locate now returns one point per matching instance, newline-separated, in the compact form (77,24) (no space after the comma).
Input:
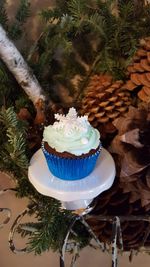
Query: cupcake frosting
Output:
(71,133)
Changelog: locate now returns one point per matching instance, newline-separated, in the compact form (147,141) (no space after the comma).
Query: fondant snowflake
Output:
(71,122)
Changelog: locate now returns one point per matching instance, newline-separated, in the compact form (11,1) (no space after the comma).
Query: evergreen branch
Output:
(77,8)
(105,8)
(126,9)
(17,148)
(66,45)
(3,75)
(49,15)
(14,150)
(8,117)
(49,235)
(62,5)
(24,187)
(5,85)
(10,93)
(25,229)
(15,31)
(145,22)
(66,24)
(23,11)
(3,14)
(96,22)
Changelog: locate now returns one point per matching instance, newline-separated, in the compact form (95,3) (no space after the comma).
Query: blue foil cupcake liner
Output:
(71,169)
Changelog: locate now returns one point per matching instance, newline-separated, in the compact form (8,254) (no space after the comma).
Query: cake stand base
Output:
(77,204)
(77,194)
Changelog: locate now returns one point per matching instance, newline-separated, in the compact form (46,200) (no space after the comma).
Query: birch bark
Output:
(19,68)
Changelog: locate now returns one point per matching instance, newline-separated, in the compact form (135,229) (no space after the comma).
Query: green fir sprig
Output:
(14,28)
(97,36)
(22,14)
(13,152)
(3,14)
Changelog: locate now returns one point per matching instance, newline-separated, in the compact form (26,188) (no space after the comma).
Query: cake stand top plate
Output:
(89,187)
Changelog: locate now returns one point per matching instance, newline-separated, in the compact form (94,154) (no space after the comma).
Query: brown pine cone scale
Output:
(139,71)
(104,100)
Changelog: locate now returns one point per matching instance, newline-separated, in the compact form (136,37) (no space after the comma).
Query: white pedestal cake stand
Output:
(72,194)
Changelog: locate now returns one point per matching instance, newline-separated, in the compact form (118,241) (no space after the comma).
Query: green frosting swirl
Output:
(72,134)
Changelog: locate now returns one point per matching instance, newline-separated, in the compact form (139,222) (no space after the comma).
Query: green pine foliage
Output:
(3,14)
(97,36)
(23,11)
(14,28)
(14,156)
(49,233)
(13,147)
(46,233)
(22,14)
(9,89)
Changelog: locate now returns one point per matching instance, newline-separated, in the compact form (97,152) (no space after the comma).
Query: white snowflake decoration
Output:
(71,122)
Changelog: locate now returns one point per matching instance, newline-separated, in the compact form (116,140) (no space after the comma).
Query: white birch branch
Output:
(19,68)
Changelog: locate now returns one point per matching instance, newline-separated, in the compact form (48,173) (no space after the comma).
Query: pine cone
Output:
(104,101)
(132,145)
(139,72)
(115,202)
(130,194)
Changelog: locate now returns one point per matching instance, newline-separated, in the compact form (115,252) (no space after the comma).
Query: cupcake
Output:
(71,146)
